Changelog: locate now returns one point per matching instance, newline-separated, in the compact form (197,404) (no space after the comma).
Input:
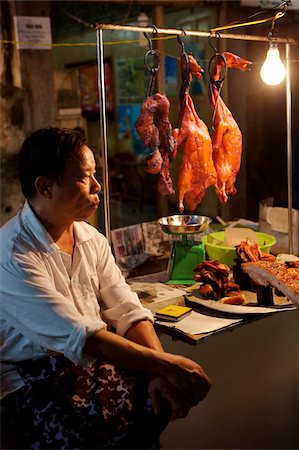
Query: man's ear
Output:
(43,186)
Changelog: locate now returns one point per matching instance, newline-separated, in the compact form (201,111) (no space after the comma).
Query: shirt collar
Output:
(35,227)
(82,233)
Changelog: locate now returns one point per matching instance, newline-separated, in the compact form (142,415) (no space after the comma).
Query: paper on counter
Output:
(153,289)
(197,323)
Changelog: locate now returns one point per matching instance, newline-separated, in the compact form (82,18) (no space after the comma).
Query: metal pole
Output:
(289,147)
(175,31)
(104,152)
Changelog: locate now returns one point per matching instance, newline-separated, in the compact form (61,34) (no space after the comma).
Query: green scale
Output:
(186,252)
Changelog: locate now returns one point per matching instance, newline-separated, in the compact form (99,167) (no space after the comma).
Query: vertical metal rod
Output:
(289,147)
(103,128)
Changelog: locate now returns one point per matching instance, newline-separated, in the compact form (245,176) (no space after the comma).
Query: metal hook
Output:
(156,63)
(215,58)
(155,29)
(217,35)
(180,40)
(186,78)
(184,57)
(150,44)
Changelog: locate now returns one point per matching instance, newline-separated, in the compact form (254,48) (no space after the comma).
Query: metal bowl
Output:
(184,224)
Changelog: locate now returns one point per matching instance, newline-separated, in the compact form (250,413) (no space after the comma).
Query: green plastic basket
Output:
(226,255)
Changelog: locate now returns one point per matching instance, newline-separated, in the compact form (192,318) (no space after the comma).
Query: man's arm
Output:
(184,374)
(143,333)
(160,390)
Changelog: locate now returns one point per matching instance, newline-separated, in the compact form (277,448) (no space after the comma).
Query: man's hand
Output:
(187,377)
(161,390)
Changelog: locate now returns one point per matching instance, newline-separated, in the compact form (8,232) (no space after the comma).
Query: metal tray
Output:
(184,224)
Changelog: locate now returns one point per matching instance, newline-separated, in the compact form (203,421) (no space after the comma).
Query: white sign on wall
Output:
(33,33)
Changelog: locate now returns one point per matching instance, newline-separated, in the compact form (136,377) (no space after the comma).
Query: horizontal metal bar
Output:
(243,37)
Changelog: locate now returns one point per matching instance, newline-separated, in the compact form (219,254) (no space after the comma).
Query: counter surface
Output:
(155,293)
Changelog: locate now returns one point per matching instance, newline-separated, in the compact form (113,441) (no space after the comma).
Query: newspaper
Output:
(134,244)
(156,242)
(153,289)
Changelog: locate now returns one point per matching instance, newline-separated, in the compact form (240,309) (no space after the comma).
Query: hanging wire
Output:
(285,4)
(78,19)
(155,63)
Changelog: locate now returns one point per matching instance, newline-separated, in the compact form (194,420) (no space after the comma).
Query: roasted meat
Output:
(227,137)
(282,276)
(247,251)
(149,134)
(167,144)
(197,171)
(155,130)
(214,278)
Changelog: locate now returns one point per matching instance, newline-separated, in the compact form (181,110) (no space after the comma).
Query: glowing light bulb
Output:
(273,70)
(142,21)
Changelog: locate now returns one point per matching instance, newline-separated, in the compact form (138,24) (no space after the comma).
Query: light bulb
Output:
(142,21)
(273,70)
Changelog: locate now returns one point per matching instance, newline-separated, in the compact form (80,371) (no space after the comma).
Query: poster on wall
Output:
(171,77)
(127,115)
(131,80)
(88,76)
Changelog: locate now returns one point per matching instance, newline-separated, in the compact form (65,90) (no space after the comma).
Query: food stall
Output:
(255,340)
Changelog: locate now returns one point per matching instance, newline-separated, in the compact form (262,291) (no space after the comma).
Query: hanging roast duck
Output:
(196,172)
(227,137)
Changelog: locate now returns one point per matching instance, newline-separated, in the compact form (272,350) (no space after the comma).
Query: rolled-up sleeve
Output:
(120,307)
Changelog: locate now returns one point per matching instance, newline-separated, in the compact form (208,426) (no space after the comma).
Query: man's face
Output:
(76,196)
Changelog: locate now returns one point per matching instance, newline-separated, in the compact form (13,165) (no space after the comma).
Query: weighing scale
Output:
(186,253)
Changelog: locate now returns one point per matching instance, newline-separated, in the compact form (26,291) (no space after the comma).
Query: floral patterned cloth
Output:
(66,406)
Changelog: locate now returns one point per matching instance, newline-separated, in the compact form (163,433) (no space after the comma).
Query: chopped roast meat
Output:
(279,275)
(214,278)
(206,290)
(248,250)
(227,137)
(294,264)
(231,286)
(267,257)
(214,266)
(237,299)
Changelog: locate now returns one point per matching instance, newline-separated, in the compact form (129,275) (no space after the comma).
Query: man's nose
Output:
(96,187)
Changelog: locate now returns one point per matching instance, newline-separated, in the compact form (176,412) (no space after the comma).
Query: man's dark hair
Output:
(45,153)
